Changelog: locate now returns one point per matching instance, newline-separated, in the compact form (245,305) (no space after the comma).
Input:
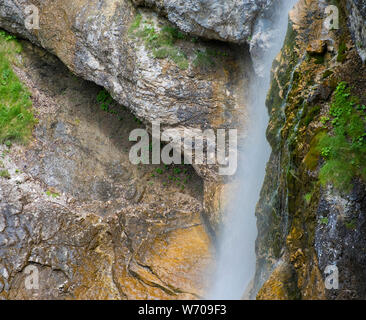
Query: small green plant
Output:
(6,36)
(105,100)
(324,120)
(52,194)
(324,220)
(5,174)
(159,171)
(325,152)
(307,197)
(8,143)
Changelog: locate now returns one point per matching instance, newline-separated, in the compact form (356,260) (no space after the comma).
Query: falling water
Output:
(236,258)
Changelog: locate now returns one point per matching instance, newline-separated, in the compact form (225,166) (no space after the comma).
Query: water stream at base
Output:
(236,258)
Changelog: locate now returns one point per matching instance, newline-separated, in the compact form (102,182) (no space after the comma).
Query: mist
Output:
(236,261)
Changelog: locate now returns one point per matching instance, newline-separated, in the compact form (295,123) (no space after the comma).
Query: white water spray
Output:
(236,258)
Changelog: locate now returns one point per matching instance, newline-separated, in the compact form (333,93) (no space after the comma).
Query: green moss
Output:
(351,224)
(274,101)
(342,52)
(16,117)
(344,147)
(207,57)
(311,114)
(312,158)
(204,58)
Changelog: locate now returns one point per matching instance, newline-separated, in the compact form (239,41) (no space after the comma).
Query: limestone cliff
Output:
(72,205)
(308,216)
(98,227)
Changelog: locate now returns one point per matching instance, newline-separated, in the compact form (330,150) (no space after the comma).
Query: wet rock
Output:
(341,241)
(317,47)
(357,17)
(303,226)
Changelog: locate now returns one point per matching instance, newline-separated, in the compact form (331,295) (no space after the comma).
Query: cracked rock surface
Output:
(94,225)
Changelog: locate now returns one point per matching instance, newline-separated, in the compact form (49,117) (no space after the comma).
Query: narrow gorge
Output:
(288,76)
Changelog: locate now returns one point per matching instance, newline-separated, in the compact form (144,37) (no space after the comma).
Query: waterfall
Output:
(236,253)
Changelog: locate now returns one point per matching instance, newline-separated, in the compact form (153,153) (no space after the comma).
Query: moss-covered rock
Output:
(295,213)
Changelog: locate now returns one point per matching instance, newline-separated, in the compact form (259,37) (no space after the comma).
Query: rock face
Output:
(357,12)
(225,20)
(187,84)
(95,41)
(92,224)
(305,226)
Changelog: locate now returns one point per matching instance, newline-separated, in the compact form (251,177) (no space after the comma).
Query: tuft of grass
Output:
(344,146)
(16,116)
(162,42)
(159,171)
(5,174)
(136,23)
